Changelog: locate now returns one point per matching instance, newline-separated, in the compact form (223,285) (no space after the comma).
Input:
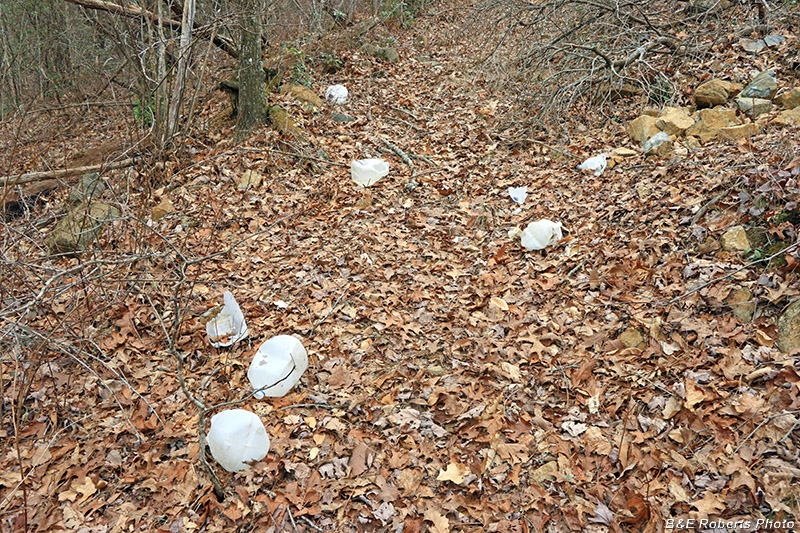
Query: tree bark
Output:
(183,67)
(251,103)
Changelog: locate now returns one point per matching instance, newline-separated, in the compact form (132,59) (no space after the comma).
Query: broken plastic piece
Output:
(540,234)
(237,437)
(366,172)
(277,366)
(336,94)
(228,326)
(518,194)
(596,164)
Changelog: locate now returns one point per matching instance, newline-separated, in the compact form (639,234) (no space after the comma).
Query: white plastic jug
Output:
(237,437)
(336,94)
(277,366)
(228,326)
(367,171)
(541,234)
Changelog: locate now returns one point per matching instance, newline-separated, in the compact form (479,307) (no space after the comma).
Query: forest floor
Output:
(457,382)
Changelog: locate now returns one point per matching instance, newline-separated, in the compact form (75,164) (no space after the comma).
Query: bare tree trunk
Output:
(183,66)
(251,74)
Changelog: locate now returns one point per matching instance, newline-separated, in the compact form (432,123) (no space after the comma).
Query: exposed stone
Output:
(642,128)
(790,99)
(282,122)
(164,208)
(692,142)
(753,106)
(607,92)
(741,302)
(735,239)
(789,328)
(386,54)
(711,93)
(632,338)
(790,117)
(659,144)
(674,122)
(90,187)
(250,179)
(302,93)
(341,117)
(739,132)
(710,121)
(80,227)
(765,85)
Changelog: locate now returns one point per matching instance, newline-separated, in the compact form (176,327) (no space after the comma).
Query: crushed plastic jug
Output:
(518,194)
(237,437)
(366,172)
(541,234)
(336,94)
(277,366)
(228,326)
(596,165)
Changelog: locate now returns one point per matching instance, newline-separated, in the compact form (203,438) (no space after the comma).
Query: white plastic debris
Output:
(237,437)
(518,194)
(336,94)
(366,172)
(596,164)
(277,366)
(540,234)
(280,304)
(228,326)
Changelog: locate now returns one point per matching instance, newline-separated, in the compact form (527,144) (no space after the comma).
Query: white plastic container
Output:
(366,172)
(237,437)
(596,165)
(541,234)
(518,194)
(336,94)
(228,326)
(277,366)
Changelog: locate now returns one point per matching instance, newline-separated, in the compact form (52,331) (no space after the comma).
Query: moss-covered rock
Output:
(80,227)
(302,94)
(282,122)
(388,54)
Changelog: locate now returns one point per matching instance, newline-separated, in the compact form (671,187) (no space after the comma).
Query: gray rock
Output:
(789,328)
(341,117)
(753,107)
(90,187)
(658,144)
(765,85)
(80,227)
(386,54)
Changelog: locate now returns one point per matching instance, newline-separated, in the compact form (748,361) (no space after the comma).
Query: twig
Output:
(291,518)
(60,173)
(309,406)
(656,385)
(297,155)
(702,211)
(333,308)
(406,111)
(731,274)
(765,421)
(571,272)
(400,153)
(310,524)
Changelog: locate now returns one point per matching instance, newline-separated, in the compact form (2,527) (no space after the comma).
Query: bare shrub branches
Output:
(563,50)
